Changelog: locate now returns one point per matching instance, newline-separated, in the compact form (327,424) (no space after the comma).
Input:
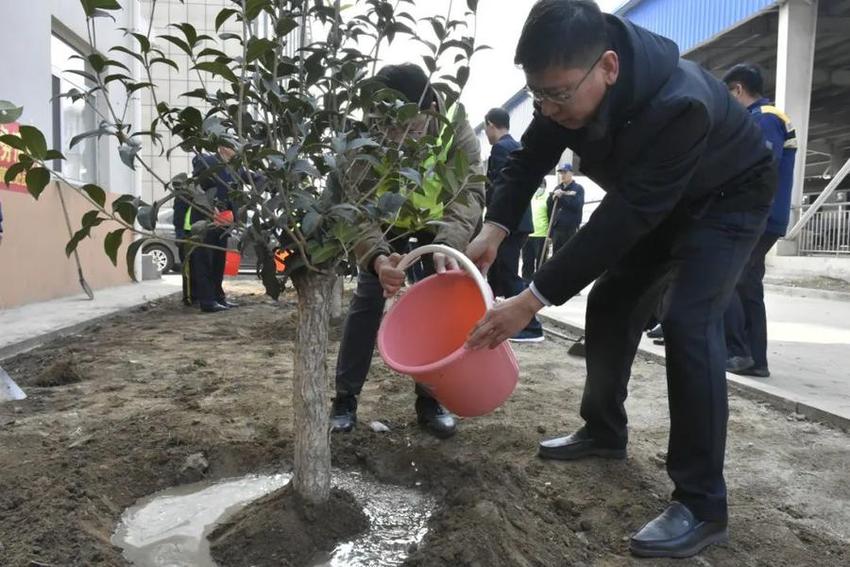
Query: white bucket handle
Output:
(462,260)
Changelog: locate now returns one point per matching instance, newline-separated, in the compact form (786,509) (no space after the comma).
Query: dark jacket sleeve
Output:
(647,192)
(774,133)
(542,145)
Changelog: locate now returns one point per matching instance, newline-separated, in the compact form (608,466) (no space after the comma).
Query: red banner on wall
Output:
(9,156)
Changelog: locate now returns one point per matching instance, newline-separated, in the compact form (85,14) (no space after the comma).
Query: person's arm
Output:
(575,202)
(649,190)
(774,133)
(542,145)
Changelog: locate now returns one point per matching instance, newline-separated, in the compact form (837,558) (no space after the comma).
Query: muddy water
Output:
(170,528)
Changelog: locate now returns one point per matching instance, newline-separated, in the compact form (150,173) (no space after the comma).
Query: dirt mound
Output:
(279,530)
(61,373)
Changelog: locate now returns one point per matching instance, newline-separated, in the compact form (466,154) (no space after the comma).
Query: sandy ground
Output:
(115,411)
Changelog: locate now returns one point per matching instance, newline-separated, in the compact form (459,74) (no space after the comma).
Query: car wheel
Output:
(163,259)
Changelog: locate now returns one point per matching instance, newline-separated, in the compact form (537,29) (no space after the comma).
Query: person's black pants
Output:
(706,257)
(360,330)
(503,275)
(561,236)
(188,292)
(532,255)
(745,318)
(206,268)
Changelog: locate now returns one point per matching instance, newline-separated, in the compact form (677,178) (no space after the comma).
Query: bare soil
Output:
(164,382)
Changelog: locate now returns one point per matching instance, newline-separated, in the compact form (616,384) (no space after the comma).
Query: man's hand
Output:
(389,275)
(558,193)
(484,247)
(443,263)
(503,321)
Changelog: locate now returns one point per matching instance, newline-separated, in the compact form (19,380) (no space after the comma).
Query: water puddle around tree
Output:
(170,528)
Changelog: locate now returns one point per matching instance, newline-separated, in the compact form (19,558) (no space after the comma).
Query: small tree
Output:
(308,126)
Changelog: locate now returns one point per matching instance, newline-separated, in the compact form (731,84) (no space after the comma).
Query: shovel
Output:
(83,283)
(9,391)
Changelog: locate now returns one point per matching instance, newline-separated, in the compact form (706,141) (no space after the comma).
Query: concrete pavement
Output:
(808,352)
(26,327)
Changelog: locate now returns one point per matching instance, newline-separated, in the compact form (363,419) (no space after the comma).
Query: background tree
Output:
(309,130)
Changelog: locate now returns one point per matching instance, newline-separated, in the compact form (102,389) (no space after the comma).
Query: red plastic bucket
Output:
(424,333)
(231,263)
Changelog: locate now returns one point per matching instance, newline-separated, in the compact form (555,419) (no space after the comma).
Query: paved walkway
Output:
(28,326)
(808,352)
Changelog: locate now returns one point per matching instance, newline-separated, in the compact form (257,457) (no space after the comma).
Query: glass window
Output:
(72,118)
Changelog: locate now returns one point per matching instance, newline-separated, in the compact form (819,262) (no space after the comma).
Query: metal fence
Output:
(828,231)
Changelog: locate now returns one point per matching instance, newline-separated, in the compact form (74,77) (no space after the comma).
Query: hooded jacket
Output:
(667,140)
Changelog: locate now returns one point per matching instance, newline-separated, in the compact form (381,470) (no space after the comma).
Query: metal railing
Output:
(827,230)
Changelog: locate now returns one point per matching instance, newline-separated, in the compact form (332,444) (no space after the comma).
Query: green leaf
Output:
(472,5)
(285,25)
(76,239)
(311,221)
(14,141)
(53,154)
(80,137)
(217,68)
(96,194)
(9,112)
(112,243)
(257,47)
(178,42)
(34,140)
(124,208)
(223,16)
(91,6)
(165,61)
(37,180)
(128,152)
(254,7)
(132,249)
(14,170)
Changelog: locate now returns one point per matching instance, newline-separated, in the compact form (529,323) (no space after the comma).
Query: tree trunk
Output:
(312,478)
(336,299)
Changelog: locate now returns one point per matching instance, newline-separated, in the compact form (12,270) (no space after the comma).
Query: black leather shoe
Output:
(738,364)
(344,413)
(677,533)
(757,371)
(229,304)
(434,418)
(577,446)
(657,332)
(212,307)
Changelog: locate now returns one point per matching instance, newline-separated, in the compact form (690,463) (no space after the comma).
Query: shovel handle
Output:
(462,261)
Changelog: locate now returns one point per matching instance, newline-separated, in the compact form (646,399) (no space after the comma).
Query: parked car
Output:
(166,255)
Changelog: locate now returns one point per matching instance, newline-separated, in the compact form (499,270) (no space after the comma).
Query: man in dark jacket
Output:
(746,318)
(504,273)
(206,265)
(688,185)
(567,203)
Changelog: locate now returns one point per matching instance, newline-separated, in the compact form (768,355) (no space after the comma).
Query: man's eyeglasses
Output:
(561,96)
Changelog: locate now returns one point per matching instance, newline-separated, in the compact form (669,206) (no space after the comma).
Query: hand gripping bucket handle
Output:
(462,261)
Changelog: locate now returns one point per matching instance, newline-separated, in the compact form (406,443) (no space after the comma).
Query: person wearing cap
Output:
(745,318)
(565,207)
(503,275)
(688,185)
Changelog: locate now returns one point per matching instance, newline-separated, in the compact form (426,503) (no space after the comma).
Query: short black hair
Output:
(411,81)
(564,33)
(750,77)
(498,117)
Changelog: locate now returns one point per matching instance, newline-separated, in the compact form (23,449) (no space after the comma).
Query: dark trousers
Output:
(745,318)
(206,268)
(503,275)
(703,259)
(360,331)
(562,235)
(183,254)
(532,255)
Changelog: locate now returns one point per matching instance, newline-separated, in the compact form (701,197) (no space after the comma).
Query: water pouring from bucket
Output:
(424,335)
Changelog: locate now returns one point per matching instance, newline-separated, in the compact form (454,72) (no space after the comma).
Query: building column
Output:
(794,69)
